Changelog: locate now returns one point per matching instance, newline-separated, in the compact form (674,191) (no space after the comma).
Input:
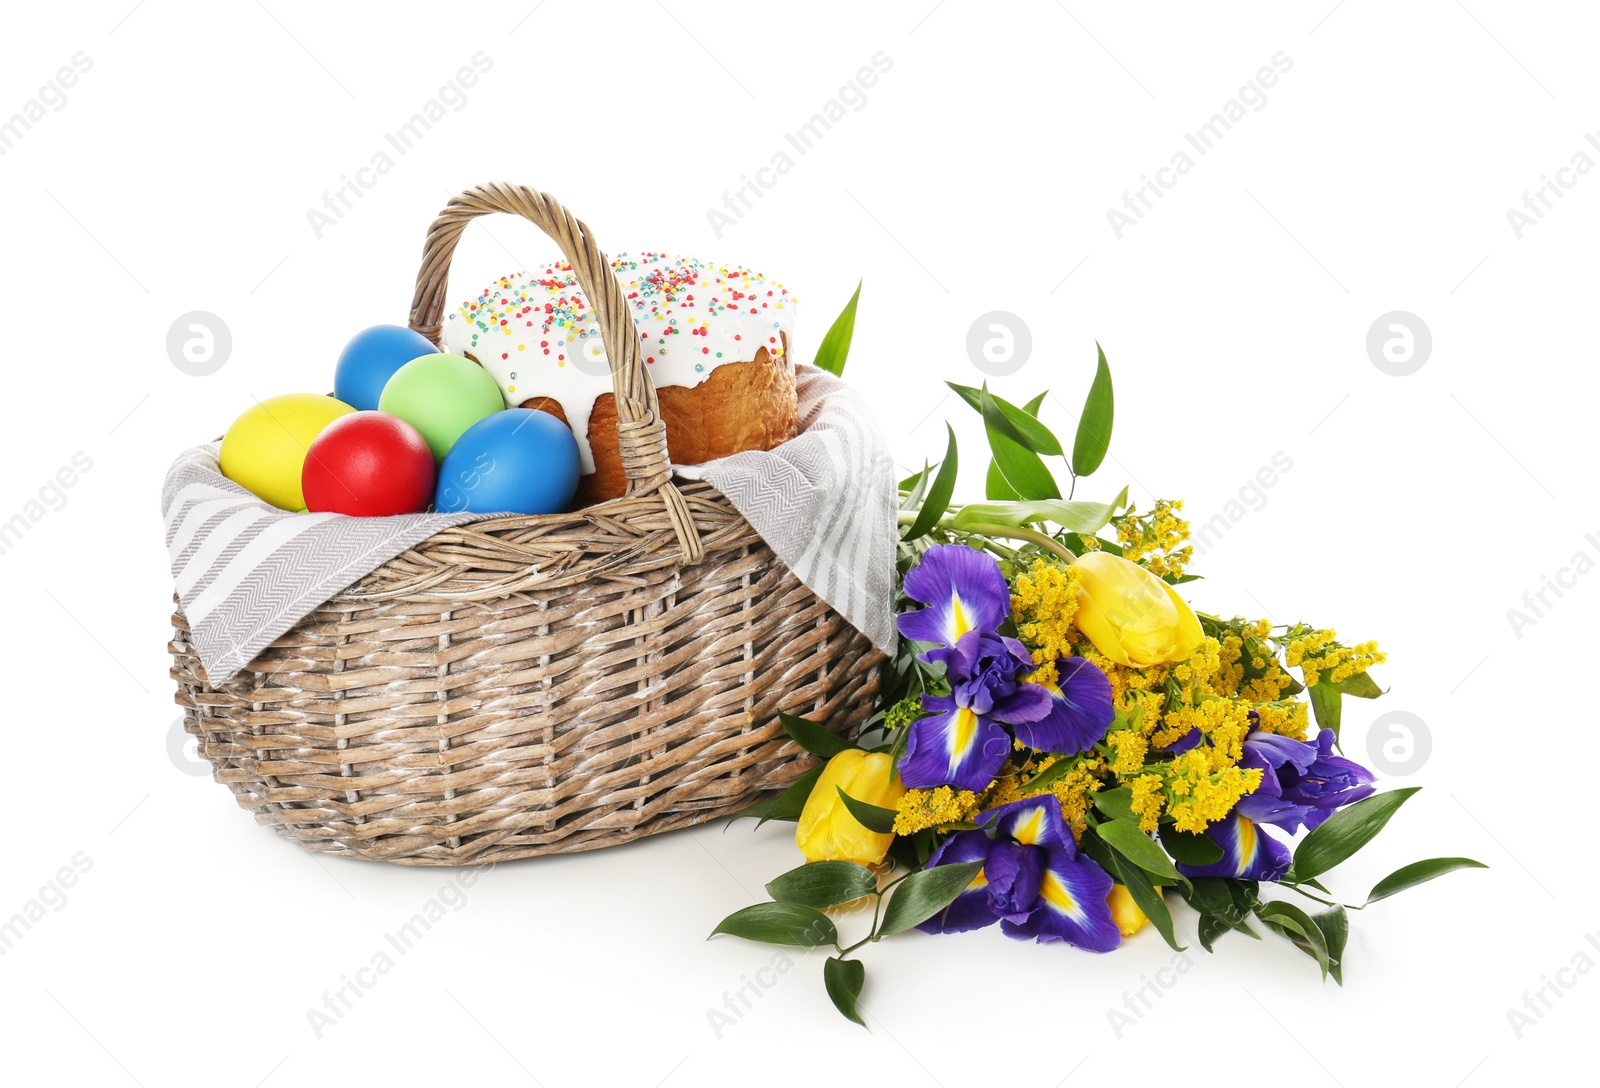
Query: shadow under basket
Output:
(536,685)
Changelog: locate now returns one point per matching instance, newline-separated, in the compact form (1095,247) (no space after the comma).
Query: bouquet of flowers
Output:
(1064,745)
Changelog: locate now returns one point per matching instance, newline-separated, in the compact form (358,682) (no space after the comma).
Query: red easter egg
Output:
(369,464)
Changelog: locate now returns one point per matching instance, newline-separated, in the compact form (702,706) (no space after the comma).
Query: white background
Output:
(976,177)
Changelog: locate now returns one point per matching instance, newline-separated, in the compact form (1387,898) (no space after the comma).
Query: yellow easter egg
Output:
(265,449)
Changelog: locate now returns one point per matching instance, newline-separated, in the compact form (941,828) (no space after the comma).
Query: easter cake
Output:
(715,341)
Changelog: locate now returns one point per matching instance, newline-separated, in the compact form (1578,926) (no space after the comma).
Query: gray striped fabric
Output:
(246,572)
(826,503)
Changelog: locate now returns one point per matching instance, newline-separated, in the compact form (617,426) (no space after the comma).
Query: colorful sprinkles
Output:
(670,297)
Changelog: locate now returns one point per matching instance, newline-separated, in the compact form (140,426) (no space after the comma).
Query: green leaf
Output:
(1149,900)
(1418,872)
(1074,515)
(1125,837)
(844,979)
(790,803)
(1022,468)
(1099,852)
(1335,926)
(813,737)
(835,346)
(1022,471)
(911,481)
(1345,832)
(1094,426)
(995,486)
(1117,803)
(1325,706)
(1021,425)
(915,487)
(871,817)
(911,851)
(1245,897)
(1212,927)
(1222,906)
(1361,685)
(824,884)
(925,893)
(1296,924)
(1188,847)
(902,737)
(1050,775)
(780,923)
(1209,895)
(944,485)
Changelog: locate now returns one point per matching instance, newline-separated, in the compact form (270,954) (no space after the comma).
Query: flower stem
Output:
(1017,532)
(1009,532)
(877,908)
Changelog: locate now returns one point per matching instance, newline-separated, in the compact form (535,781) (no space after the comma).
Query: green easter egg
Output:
(441,396)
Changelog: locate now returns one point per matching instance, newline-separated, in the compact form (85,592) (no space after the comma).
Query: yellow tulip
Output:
(1125,912)
(1130,615)
(828,832)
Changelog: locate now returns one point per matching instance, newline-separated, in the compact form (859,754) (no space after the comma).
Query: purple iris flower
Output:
(1301,783)
(1034,882)
(962,744)
(964,740)
(964,591)
(1080,709)
(1330,783)
(1184,743)
(1248,853)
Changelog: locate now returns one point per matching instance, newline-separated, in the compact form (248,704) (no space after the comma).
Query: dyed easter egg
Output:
(265,448)
(520,461)
(441,396)
(370,360)
(368,464)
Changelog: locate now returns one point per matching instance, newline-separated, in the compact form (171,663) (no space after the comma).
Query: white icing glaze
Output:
(536,335)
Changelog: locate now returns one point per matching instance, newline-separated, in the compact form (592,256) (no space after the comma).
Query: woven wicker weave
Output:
(534,685)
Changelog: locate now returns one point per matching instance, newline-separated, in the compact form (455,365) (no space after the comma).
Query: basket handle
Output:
(641,433)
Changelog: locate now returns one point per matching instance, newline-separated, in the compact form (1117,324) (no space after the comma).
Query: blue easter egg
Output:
(370,360)
(519,461)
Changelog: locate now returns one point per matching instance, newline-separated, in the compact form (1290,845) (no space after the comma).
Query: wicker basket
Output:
(533,685)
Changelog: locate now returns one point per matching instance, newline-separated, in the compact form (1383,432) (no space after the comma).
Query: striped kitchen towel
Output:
(825,502)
